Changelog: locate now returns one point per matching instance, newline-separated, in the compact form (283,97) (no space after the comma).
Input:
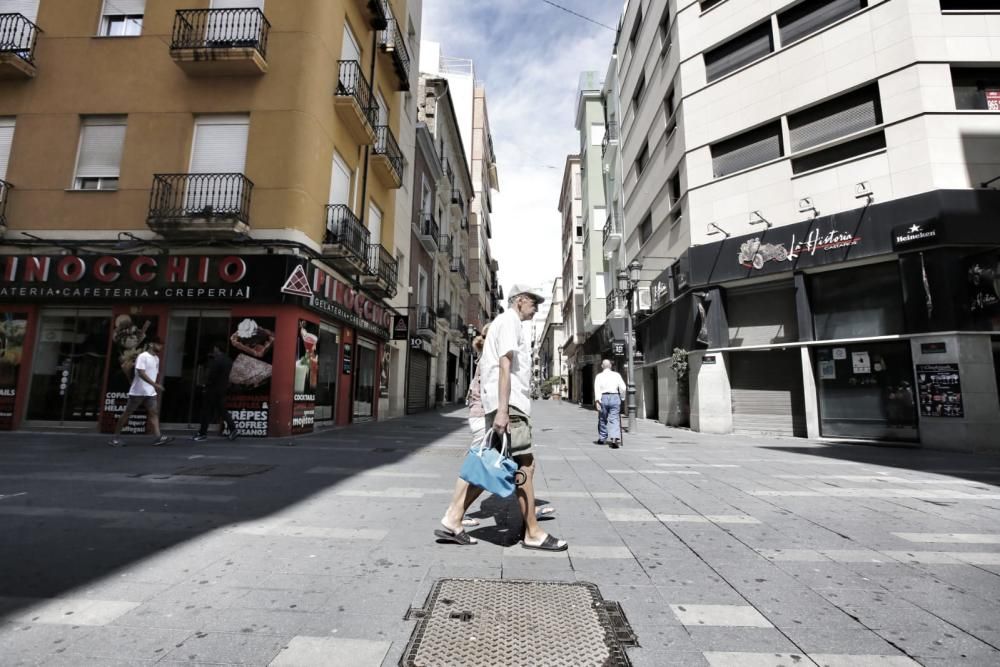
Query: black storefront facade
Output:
(880,323)
(307,346)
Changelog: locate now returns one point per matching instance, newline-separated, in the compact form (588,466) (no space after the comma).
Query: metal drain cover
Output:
(225,470)
(490,622)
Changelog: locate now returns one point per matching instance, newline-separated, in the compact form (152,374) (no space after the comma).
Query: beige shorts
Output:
(520,431)
(149,402)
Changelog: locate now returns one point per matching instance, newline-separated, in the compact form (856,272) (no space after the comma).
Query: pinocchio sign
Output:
(325,293)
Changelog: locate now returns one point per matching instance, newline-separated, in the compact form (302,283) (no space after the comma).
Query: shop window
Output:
(747,150)
(812,16)
(99,160)
(976,88)
(857,303)
(122,18)
(854,112)
(738,51)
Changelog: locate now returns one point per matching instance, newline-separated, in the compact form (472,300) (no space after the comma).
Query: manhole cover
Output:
(487,622)
(225,470)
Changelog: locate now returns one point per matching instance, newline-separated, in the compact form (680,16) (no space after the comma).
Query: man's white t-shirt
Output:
(506,335)
(149,363)
(608,382)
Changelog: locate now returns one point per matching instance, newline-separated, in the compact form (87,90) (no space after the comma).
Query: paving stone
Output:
(228,648)
(693,615)
(331,652)
(748,659)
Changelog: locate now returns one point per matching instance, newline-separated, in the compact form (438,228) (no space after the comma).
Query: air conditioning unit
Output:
(643,300)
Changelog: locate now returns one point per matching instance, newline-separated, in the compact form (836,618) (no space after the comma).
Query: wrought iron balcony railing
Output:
(4,189)
(444,310)
(610,136)
(392,41)
(458,324)
(200,196)
(351,82)
(382,265)
(245,28)
(18,35)
(427,226)
(615,302)
(426,319)
(385,144)
(343,228)
(444,244)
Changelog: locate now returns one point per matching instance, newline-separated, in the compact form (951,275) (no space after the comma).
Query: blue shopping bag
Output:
(488,468)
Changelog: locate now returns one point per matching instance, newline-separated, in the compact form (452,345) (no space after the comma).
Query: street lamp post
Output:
(627,283)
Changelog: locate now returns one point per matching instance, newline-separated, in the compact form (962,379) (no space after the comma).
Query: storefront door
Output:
(190,337)
(326,388)
(69,364)
(364,382)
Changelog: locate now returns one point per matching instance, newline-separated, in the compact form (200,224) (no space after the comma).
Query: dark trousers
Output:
(213,407)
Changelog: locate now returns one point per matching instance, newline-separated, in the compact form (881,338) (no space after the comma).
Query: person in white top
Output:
(609,389)
(505,377)
(144,393)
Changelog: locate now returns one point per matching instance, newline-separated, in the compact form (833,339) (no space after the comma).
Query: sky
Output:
(530,55)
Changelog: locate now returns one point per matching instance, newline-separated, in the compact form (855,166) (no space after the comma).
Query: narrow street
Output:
(721,550)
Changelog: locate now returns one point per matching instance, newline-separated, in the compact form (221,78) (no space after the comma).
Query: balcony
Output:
(17,47)
(615,304)
(4,189)
(391,41)
(427,231)
(383,271)
(202,205)
(387,160)
(378,13)
(458,266)
(612,235)
(458,324)
(354,102)
(444,311)
(457,202)
(426,322)
(220,42)
(610,137)
(345,246)
(445,244)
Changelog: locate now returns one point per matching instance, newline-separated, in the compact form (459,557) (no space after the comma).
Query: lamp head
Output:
(634,271)
(623,280)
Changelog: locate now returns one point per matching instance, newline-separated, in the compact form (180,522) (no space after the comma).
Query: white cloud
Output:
(530,56)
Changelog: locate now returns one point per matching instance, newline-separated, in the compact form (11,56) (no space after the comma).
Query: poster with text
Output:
(12,328)
(129,334)
(383,389)
(306,378)
(251,347)
(939,387)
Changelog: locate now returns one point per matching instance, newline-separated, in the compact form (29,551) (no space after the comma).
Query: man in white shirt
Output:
(505,379)
(144,393)
(609,389)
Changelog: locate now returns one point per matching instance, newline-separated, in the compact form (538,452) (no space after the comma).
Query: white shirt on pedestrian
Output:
(506,336)
(149,363)
(608,382)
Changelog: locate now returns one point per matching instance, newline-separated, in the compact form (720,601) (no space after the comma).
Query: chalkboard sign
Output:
(940,389)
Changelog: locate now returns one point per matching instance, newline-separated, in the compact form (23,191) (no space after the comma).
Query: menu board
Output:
(940,390)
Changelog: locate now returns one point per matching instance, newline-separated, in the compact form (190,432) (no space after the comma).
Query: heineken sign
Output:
(913,235)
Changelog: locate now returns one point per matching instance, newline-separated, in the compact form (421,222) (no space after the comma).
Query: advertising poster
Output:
(827,370)
(306,378)
(12,328)
(861,363)
(940,390)
(383,388)
(251,346)
(129,332)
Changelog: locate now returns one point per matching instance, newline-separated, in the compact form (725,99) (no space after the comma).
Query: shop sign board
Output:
(708,360)
(993,100)
(940,390)
(306,378)
(12,328)
(333,297)
(251,344)
(907,236)
(401,327)
(618,348)
(933,348)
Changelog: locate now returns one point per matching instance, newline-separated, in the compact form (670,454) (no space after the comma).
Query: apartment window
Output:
(747,150)
(670,113)
(99,160)
(845,151)
(6,140)
(643,159)
(640,88)
(976,87)
(636,25)
(675,188)
(664,30)
(646,228)
(708,4)
(812,16)
(579,232)
(739,51)
(839,117)
(969,5)
(399,264)
(122,18)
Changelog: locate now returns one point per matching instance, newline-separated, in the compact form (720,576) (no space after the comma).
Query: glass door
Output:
(69,365)
(326,388)
(364,382)
(190,337)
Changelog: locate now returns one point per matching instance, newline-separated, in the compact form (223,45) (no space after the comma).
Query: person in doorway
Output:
(145,393)
(213,403)
(609,388)
(505,380)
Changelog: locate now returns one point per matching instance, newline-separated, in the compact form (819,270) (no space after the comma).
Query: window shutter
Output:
(813,15)
(101,144)
(747,150)
(837,118)
(27,8)
(124,8)
(6,139)
(220,146)
(738,51)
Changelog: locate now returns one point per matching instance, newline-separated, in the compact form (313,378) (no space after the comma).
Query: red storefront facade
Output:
(307,347)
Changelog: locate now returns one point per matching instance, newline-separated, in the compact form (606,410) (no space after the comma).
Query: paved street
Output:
(722,550)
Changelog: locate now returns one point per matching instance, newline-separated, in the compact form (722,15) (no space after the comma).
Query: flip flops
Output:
(461,538)
(548,544)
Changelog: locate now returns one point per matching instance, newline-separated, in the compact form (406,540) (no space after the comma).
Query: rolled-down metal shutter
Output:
(767,392)
(416,382)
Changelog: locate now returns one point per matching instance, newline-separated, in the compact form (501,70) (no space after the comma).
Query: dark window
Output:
(976,87)
(857,303)
(813,15)
(645,228)
(636,25)
(844,151)
(856,111)
(739,51)
(640,88)
(643,159)
(969,5)
(665,30)
(747,150)
(708,4)
(669,103)
(675,188)
(579,231)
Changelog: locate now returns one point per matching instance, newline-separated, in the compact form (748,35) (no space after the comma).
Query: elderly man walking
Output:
(505,377)
(609,388)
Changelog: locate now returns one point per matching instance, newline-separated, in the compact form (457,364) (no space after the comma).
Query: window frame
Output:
(110,13)
(106,183)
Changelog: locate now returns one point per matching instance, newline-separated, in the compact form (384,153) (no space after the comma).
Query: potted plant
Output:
(681,412)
